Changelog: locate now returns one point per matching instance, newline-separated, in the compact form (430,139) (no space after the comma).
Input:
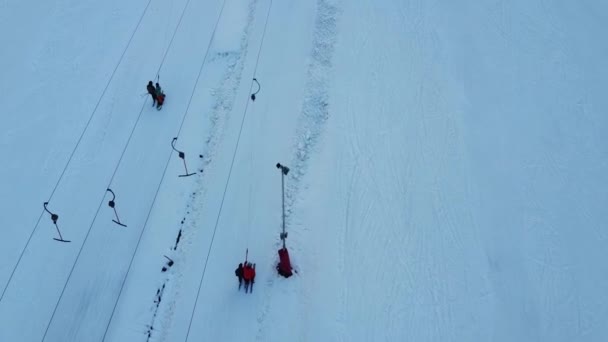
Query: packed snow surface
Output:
(448,170)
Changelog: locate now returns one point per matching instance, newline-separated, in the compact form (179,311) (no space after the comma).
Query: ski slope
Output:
(448,170)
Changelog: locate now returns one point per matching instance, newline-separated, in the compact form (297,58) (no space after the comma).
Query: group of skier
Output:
(158,96)
(246,272)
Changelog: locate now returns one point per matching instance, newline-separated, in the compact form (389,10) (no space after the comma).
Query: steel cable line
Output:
(229,176)
(111,180)
(76,147)
(164,173)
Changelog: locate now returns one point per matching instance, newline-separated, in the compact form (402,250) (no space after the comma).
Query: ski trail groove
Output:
(167,164)
(313,116)
(251,17)
(225,94)
(315,109)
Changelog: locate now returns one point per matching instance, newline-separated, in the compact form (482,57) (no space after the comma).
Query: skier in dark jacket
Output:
(152,92)
(239,273)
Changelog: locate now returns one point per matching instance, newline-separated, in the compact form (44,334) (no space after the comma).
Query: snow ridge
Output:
(233,62)
(313,116)
(315,109)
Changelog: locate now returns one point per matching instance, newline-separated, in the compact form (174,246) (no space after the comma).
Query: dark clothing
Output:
(151,89)
(239,273)
(152,92)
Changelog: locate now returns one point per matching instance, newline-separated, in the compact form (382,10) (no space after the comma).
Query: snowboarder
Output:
(160,96)
(239,273)
(152,92)
(249,276)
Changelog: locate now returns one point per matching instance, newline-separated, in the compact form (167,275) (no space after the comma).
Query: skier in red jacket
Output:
(248,276)
(160,96)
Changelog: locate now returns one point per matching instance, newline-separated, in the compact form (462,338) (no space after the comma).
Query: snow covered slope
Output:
(448,170)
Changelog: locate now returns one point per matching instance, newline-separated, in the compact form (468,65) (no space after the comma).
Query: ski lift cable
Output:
(76,147)
(10,278)
(200,70)
(168,23)
(102,201)
(228,180)
(172,38)
(164,172)
(110,182)
(250,194)
(99,100)
(143,106)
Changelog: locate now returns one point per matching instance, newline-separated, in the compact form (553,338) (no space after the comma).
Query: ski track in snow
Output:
(233,63)
(463,177)
(315,109)
(314,114)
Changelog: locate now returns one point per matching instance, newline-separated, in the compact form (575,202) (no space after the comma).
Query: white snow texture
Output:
(448,170)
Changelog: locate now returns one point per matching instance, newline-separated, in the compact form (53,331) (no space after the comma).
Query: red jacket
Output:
(248,273)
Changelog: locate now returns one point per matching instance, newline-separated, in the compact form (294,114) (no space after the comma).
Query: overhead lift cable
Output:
(164,173)
(228,180)
(75,147)
(112,179)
